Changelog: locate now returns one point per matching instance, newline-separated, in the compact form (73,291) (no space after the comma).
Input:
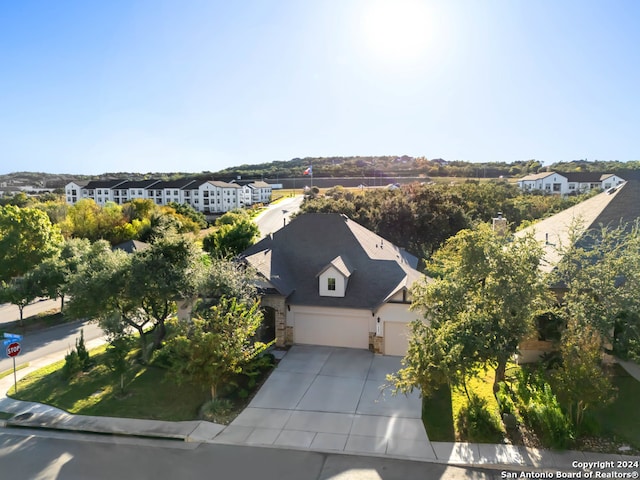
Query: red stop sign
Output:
(13,349)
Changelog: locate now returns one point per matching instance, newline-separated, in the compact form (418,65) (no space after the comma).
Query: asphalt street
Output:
(11,313)
(277,215)
(36,345)
(31,454)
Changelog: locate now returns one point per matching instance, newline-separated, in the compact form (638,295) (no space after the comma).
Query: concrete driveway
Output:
(333,399)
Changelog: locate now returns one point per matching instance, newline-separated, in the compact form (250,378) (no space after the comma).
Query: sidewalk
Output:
(505,457)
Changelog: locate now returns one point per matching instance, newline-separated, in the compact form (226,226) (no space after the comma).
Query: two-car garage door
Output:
(342,330)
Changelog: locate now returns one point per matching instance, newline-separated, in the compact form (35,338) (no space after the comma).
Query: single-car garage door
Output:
(396,338)
(331,330)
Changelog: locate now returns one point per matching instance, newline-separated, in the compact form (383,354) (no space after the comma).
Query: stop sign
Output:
(13,349)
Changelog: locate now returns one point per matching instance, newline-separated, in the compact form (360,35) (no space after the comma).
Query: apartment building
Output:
(207,196)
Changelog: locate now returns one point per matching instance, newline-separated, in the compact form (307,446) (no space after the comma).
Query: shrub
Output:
(72,365)
(542,412)
(505,401)
(83,353)
(216,410)
(477,423)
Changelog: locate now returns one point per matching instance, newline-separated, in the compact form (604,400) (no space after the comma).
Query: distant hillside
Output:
(389,166)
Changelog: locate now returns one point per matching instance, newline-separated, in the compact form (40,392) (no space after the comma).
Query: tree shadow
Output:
(437,415)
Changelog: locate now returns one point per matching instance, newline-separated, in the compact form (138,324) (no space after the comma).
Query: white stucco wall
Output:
(323,281)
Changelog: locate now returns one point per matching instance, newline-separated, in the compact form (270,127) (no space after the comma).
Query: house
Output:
(611,208)
(326,280)
(580,182)
(548,182)
(567,183)
(132,246)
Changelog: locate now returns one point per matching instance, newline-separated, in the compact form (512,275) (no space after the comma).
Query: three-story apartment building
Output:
(207,196)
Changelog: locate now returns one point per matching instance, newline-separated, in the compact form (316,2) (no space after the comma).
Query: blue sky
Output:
(185,85)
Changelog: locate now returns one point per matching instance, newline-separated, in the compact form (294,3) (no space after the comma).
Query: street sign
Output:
(13,349)
(13,336)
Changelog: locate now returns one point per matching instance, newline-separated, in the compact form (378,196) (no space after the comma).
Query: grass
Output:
(42,320)
(621,419)
(440,411)
(6,373)
(437,416)
(150,393)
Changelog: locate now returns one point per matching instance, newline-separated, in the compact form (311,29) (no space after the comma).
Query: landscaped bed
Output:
(612,429)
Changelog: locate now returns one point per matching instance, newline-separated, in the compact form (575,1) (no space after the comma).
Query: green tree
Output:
(139,290)
(82,220)
(20,291)
(27,237)
(601,273)
(580,382)
(235,233)
(478,309)
(52,276)
(216,345)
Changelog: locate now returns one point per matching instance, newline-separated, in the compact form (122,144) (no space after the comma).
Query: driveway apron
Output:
(333,399)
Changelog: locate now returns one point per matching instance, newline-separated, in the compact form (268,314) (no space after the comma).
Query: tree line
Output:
(420,217)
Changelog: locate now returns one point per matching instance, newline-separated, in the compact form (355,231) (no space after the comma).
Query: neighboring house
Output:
(326,280)
(132,246)
(205,196)
(580,182)
(616,206)
(566,183)
(548,182)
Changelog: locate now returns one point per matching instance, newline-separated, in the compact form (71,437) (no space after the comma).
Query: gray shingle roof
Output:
(103,184)
(291,258)
(132,246)
(610,209)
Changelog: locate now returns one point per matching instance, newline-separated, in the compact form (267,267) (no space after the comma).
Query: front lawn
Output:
(151,392)
(442,410)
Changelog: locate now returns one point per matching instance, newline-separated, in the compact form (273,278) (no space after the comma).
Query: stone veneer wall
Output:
(376,343)
(277,303)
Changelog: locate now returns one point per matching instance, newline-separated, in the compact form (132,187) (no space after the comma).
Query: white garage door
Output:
(396,338)
(331,330)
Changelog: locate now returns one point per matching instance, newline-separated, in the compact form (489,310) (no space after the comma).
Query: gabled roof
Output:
(80,184)
(178,184)
(139,184)
(587,177)
(222,184)
(291,258)
(340,264)
(537,176)
(103,184)
(259,184)
(610,209)
(132,246)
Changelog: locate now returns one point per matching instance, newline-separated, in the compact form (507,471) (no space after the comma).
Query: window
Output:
(331,284)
